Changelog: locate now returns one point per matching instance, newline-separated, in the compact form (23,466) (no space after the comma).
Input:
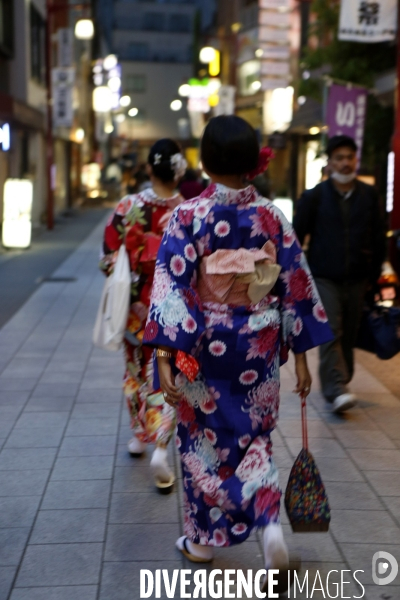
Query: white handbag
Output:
(112,315)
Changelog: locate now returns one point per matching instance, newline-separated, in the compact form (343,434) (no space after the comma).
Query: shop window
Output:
(179,23)
(153,21)
(38,48)
(135,83)
(6,28)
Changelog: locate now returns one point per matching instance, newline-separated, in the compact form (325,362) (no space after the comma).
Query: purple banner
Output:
(346,111)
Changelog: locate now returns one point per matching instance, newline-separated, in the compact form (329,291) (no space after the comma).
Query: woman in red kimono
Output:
(140,220)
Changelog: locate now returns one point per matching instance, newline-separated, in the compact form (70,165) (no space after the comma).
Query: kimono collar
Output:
(221,194)
(149,196)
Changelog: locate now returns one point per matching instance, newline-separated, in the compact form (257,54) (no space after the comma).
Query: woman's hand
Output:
(304,380)
(167,382)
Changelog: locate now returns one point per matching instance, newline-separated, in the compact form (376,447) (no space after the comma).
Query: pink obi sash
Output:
(238,277)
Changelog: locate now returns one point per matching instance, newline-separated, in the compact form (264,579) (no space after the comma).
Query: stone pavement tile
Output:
(83,467)
(6,425)
(43,419)
(18,511)
(39,437)
(97,378)
(359,556)
(55,390)
(391,428)
(39,404)
(13,398)
(99,395)
(364,439)
(385,483)
(124,434)
(69,592)
(277,439)
(319,447)
(351,495)
(22,458)
(282,458)
(60,564)
(373,459)
(393,504)
(77,494)
(95,426)
(292,428)
(144,508)
(337,469)
(374,402)
(131,480)
(121,580)
(92,445)
(12,544)
(109,361)
(364,527)
(312,548)
(353,419)
(55,377)
(7,575)
(90,410)
(244,556)
(69,526)
(374,592)
(65,366)
(17,384)
(23,483)
(144,542)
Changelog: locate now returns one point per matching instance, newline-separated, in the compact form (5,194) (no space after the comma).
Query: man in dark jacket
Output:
(343,219)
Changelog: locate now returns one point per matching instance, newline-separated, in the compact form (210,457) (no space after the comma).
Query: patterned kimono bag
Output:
(306,501)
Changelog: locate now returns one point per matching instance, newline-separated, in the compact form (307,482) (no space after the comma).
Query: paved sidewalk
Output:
(79,517)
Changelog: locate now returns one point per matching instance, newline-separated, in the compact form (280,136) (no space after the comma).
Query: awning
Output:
(20,114)
(308,115)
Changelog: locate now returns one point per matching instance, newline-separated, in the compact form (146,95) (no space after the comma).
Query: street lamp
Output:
(84,29)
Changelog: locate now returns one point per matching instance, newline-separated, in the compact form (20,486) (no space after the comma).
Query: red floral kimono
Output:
(140,220)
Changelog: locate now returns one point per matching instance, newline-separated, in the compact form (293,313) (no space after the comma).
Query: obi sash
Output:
(238,277)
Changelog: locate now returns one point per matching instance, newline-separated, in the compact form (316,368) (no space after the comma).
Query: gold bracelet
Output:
(163,354)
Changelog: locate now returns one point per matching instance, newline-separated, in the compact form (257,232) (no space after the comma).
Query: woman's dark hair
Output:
(160,159)
(229,146)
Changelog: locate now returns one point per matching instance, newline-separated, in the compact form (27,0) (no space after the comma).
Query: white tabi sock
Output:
(159,465)
(276,554)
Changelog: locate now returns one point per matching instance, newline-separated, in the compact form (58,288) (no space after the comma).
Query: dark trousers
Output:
(343,303)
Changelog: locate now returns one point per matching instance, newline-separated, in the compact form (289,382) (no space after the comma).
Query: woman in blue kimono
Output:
(232,290)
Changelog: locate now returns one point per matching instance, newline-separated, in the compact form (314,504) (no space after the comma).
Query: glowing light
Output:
(133,112)
(207,54)
(120,118)
(213,100)
(301,100)
(256,86)
(184,90)
(215,64)
(390,182)
(259,53)
(17,227)
(125,101)
(5,137)
(236,27)
(114,83)
(84,29)
(102,99)
(110,62)
(108,128)
(176,105)
(79,135)
(314,130)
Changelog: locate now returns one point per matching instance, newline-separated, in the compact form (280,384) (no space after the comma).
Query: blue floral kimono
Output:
(227,414)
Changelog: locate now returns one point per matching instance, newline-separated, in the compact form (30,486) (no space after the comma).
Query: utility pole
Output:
(395,215)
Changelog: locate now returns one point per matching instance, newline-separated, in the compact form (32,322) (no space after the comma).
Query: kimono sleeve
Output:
(304,321)
(175,317)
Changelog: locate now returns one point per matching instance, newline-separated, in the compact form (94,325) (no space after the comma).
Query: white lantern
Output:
(17,226)
(176,105)
(102,99)
(207,54)
(84,29)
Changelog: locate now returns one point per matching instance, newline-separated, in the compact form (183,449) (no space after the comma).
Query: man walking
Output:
(345,225)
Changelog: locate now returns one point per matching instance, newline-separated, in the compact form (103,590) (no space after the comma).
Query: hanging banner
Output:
(274,43)
(346,112)
(65,47)
(368,21)
(62,85)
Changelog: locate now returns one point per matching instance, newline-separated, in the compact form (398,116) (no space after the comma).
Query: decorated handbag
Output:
(306,500)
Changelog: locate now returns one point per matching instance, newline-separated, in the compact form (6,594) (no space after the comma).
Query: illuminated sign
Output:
(17,226)
(5,137)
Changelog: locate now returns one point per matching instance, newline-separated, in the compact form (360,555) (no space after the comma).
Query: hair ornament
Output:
(265,156)
(178,165)
(157,159)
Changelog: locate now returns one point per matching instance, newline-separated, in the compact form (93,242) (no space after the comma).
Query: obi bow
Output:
(238,276)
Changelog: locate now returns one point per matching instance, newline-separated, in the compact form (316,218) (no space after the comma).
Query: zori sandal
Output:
(182,545)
